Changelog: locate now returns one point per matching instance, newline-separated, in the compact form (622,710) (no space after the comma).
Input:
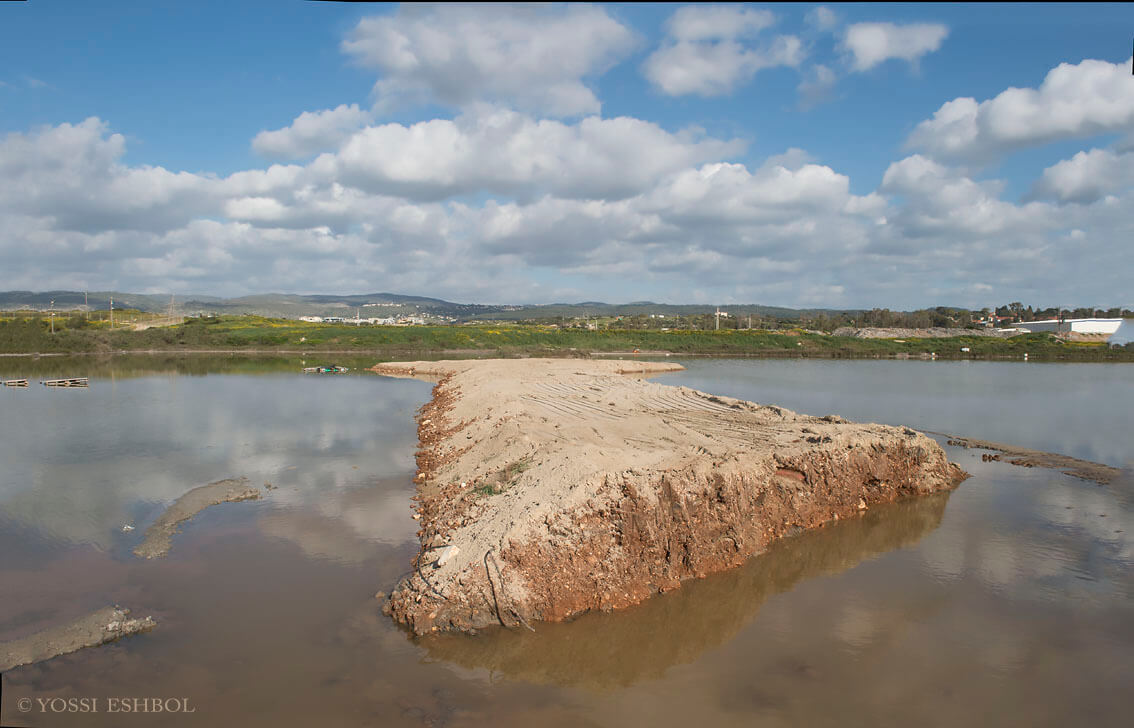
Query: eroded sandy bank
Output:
(548,487)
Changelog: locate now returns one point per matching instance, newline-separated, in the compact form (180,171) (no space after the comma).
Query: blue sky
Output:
(790,155)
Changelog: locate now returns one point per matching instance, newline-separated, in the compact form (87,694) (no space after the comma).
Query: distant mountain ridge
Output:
(268,304)
(371,305)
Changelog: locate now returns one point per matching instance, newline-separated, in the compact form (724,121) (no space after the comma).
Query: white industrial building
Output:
(1124,335)
(1079,326)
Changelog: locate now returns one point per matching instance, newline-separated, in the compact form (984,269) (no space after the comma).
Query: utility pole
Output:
(112,313)
(718,317)
(53,316)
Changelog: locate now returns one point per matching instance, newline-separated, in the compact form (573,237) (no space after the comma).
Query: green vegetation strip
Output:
(32,334)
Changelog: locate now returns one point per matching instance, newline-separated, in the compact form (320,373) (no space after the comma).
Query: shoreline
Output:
(568,353)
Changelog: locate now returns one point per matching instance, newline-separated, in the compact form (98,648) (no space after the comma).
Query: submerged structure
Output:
(550,487)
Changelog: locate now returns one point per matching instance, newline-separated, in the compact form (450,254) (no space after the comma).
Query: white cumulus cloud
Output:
(533,57)
(603,208)
(1075,100)
(71,173)
(505,152)
(713,22)
(712,49)
(1086,177)
(870,44)
(311,132)
(942,200)
(816,85)
(822,18)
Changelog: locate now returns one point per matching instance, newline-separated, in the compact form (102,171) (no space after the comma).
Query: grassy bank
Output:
(249,333)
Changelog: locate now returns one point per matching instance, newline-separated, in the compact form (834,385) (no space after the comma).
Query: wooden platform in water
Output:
(71,382)
(15,382)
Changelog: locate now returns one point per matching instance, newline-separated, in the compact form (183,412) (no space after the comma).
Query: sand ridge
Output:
(99,627)
(159,536)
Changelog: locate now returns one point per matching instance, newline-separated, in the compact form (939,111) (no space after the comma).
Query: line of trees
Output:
(1018,312)
(940,316)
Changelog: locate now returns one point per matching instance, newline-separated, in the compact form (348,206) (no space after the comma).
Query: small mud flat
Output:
(158,539)
(97,628)
(1027,458)
(547,487)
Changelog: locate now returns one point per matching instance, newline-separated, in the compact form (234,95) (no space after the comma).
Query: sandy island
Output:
(159,536)
(550,487)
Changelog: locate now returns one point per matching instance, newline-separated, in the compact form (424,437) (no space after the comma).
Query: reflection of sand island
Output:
(551,487)
(617,650)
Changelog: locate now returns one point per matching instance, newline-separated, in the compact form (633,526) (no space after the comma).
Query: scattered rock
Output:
(446,554)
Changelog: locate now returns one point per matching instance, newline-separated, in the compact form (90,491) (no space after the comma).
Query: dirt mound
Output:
(547,488)
(604,651)
(931,333)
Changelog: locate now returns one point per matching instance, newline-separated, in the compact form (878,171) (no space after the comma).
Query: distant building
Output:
(1079,326)
(1124,335)
(312,319)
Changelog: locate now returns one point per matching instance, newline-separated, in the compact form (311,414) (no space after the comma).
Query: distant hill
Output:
(649,308)
(373,305)
(71,300)
(269,304)
(369,305)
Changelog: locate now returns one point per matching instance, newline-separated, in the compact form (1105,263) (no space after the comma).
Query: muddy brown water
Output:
(1008,601)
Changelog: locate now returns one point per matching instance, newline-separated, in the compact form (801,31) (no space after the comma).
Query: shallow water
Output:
(1081,410)
(1010,600)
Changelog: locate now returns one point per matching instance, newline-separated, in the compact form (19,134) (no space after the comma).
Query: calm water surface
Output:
(1008,601)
